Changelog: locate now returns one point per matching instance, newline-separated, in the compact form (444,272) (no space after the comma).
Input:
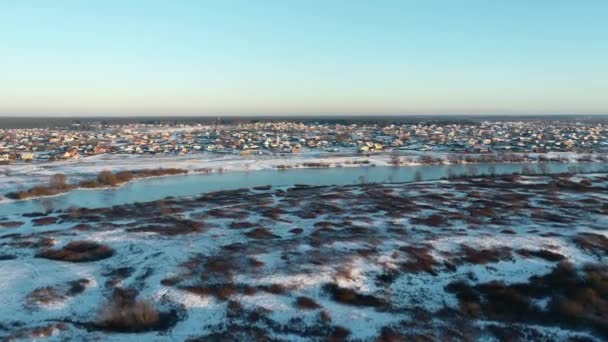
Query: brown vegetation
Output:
(58,185)
(171,227)
(219,291)
(541,253)
(315,165)
(434,220)
(306,303)
(10,224)
(577,299)
(261,234)
(78,251)
(53,294)
(117,275)
(593,243)
(44,296)
(241,225)
(107,178)
(126,314)
(419,260)
(44,221)
(484,255)
(351,297)
(37,332)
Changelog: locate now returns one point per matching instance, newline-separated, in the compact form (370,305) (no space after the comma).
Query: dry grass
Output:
(352,297)
(434,220)
(316,165)
(77,287)
(117,275)
(10,224)
(261,234)
(55,294)
(126,314)
(241,225)
(338,334)
(171,227)
(57,185)
(306,303)
(593,243)
(44,221)
(483,256)
(541,253)
(578,299)
(219,291)
(78,251)
(420,260)
(277,289)
(37,333)
(107,178)
(44,296)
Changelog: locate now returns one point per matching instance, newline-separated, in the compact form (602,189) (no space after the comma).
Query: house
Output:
(100,150)
(27,156)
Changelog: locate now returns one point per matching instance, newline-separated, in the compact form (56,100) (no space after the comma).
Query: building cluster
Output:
(294,137)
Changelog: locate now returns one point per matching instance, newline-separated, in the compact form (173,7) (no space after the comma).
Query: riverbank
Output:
(193,184)
(18,177)
(105,180)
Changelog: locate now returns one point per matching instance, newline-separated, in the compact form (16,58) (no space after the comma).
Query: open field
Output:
(480,258)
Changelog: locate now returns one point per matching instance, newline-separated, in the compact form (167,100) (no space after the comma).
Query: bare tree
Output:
(527,170)
(418,176)
(58,181)
(47,205)
(395,160)
(472,170)
(492,170)
(543,167)
(106,178)
(450,173)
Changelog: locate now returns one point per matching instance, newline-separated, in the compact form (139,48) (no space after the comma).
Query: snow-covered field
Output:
(447,260)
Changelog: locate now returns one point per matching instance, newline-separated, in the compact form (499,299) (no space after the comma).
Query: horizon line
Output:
(253,115)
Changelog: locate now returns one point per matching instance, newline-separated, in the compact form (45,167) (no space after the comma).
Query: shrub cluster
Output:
(78,251)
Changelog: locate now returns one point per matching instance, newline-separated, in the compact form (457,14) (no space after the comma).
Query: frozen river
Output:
(151,189)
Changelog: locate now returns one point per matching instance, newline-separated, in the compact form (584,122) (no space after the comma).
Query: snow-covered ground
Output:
(355,262)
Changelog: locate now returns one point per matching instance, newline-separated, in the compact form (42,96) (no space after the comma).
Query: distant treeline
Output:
(91,122)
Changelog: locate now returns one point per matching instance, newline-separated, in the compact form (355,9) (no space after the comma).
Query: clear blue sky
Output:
(303,56)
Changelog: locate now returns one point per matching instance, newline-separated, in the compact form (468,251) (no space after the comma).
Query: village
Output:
(281,137)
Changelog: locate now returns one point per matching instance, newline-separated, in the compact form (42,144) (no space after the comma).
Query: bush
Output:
(541,253)
(106,178)
(351,297)
(420,260)
(434,220)
(124,313)
(44,296)
(577,299)
(44,221)
(57,181)
(274,288)
(219,291)
(484,256)
(261,234)
(78,251)
(593,243)
(306,303)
